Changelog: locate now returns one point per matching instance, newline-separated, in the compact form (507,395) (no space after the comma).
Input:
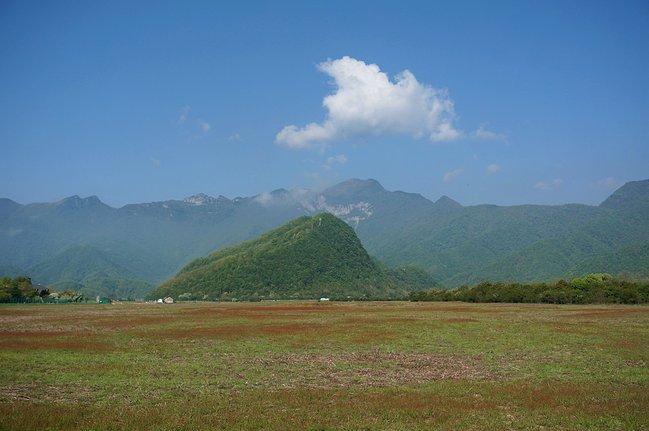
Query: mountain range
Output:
(144,244)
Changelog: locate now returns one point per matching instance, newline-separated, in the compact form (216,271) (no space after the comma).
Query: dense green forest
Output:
(17,289)
(309,257)
(20,289)
(589,289)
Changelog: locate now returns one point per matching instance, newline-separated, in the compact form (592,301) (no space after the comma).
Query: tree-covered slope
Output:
(90,271)
(632,197)
(561,252)
(309,257)
(630,260)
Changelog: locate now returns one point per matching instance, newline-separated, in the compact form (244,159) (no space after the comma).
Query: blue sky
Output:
(547,102)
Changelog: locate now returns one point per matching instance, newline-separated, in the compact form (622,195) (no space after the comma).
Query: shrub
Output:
(589,289)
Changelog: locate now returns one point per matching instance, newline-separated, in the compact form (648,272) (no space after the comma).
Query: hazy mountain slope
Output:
(631,260)
(152,240)
(470,238)
(11,271)
(93,271)
(31,233)
(632,198)
(381,218)
(456,244)
(308,257)
(561,252)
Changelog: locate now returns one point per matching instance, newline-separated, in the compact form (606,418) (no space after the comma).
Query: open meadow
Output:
(307,365)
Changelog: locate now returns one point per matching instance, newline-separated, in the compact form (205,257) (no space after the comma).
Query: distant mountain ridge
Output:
(456,244)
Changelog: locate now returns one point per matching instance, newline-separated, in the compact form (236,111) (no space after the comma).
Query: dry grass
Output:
(232,332)
(372,369)
(55,339)
(608,312)
(307,365)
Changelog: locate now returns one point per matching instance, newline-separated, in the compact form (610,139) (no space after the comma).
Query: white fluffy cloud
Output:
(367,102)
(493,168)
(451,175)
(549,185)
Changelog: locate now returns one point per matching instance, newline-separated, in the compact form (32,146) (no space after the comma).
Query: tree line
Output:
(590,289)
(21,289)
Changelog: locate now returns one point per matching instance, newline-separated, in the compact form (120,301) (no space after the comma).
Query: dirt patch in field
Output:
(480,309)
(242,331)
(609,312)
(39,334)
(49,344)
(460,320)
(255,310)
(585,397)
(129,321)
(11,311)
(299,334)
(368,369)
(629,344)
(418,401)
(44,393)
(61,340)
(373,336)
(372,320)
(582,328)
(295,328)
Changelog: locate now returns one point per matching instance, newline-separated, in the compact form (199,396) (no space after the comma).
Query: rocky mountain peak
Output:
(78,202)
(202,199)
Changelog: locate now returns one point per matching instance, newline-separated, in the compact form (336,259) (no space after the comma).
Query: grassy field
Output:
(306,365)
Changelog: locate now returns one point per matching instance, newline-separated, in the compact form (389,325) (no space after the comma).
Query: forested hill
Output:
(309,257)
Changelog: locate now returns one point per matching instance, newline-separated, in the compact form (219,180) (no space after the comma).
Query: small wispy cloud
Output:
(493,169)
(283,197)
(608,183)
(549,185)
(451,175)
(235,137)
(331,161)
(184,114)
(203,125)
(155,162)
(264,198)
(194,127)
(482,133)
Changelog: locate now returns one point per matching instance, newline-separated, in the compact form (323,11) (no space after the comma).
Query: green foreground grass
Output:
(306,365)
